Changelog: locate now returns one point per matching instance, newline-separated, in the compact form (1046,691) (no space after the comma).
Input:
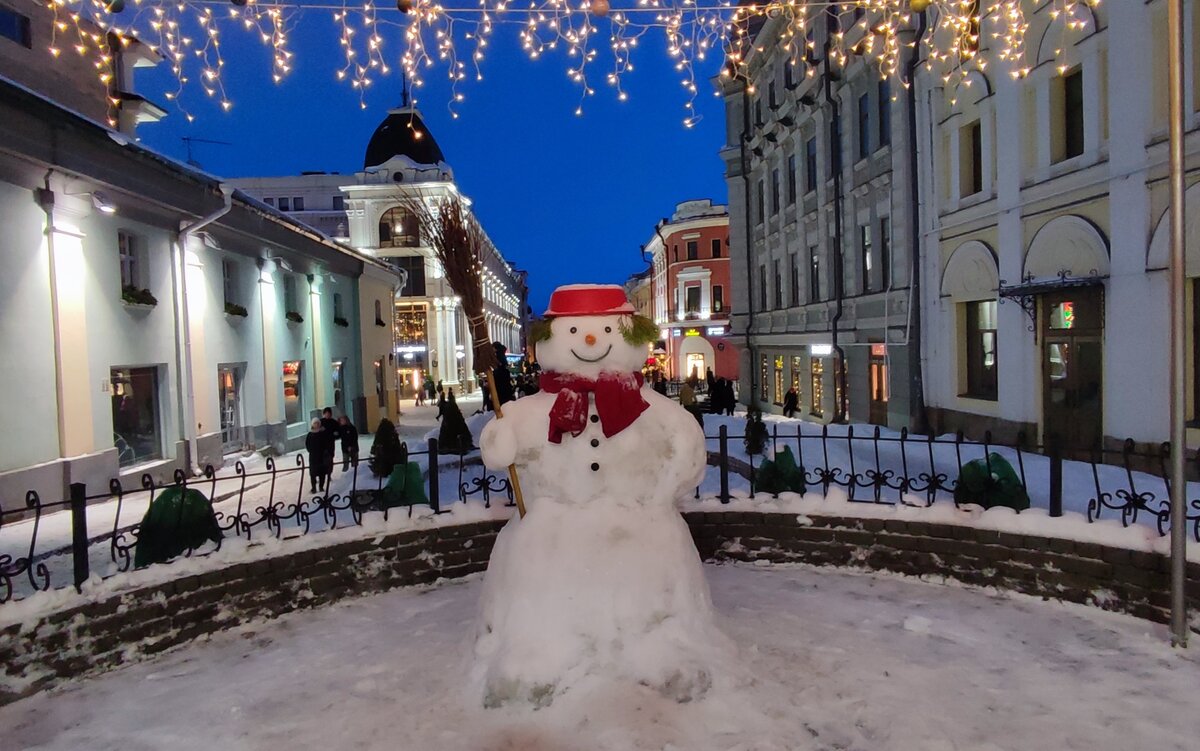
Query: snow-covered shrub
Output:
(177,521)
(755,440)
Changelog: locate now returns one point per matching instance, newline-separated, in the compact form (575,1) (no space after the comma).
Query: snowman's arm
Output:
(686,470)
(503,437)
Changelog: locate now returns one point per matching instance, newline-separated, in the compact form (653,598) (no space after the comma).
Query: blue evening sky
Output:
(570,199)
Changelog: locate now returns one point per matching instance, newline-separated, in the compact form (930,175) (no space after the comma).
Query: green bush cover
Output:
(780,474)
(385,449)
(177,521)
(405,487)
(1002,488)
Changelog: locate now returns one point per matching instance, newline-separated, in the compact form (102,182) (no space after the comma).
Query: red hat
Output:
(589,300)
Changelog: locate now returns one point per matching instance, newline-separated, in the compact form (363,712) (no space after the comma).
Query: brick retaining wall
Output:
(132,625)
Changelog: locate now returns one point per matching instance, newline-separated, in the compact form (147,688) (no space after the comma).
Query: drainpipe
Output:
(745,140)
(917,416)
(666,282)
(183,331)
(45,198)
(839,373)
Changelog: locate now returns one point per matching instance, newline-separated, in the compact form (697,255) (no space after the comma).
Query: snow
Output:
(837,661)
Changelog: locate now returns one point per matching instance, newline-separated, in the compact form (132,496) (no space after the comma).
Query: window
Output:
(137,419)
(293,392)
(269,201)
(778,287)
(796,375)
(779,379)
(716,248)
(970,159)
(771,99)
(791,179)
(289,294)
(758,121)
(132,258)
(795,282)
(765,376)
(762,204)
(1072,123)
(337,307)
(398,228)
(970,40)
(379,314)
(298,204)
(789,74)
(775,191)
(814,274)
(885,112)
(285,204)
(718,293)
(810,165)
(981,349)
(693,250)
(816,389)
(675,252)
(762,287)
(229,280)
(412,270)
(692,299)
(380,384)
(864,126)
(864,254)
(885,251)
(339,203)
(835,146)
(16,27)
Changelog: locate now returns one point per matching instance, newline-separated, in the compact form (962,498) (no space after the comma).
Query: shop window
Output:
(791,179)
(970,159)
(765,376)
(864,253)
(693,250)
(716,248)
(779,379)
(816,388)
(293,392)
(885,112)
(796,369)
(136,415)
(982,364)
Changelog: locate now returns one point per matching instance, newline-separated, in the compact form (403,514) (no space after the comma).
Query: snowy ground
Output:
(839,661)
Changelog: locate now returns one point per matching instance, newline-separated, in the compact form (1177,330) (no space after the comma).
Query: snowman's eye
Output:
(608,329)
(574,330)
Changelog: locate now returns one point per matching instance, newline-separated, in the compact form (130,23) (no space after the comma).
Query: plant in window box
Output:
(294,317)
(339,321)
(132,295)
(233,309)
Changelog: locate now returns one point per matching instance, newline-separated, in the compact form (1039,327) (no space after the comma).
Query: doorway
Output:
(229,398)
(877,411)
(1072,369)
(338,376)
(694,365)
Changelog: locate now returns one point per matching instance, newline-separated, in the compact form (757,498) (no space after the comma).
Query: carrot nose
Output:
(589,340)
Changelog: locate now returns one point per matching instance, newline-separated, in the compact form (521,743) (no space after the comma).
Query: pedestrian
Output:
(501,379)
(349,435)
(687,399)
(791,402)
(710,380)
(660,383)
(441,402)
(331,428)
(319,459)
(420,400)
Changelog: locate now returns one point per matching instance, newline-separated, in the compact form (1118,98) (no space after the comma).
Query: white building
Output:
(403,160)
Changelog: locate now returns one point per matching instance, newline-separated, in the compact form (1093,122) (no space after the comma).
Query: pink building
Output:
(690,257)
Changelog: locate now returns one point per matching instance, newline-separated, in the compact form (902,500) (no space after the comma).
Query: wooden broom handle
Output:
(512,468)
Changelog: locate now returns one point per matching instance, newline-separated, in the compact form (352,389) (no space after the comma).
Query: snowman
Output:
(600,581)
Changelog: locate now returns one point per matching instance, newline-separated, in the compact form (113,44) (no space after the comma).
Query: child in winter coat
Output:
(349,435)
(320,461)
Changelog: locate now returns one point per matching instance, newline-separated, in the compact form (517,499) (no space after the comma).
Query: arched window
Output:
(398,229)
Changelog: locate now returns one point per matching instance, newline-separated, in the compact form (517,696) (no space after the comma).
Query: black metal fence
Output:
(236,512)
(896,469)
(871,466)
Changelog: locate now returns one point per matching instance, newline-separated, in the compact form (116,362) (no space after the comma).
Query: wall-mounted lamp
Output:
(281,263)
(101,202)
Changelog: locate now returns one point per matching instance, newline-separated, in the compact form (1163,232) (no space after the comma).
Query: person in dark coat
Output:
(441,402)
(501,378)
(709,379)
(791,402)
(331,428)
(660,384)
(320,461)
(349,436)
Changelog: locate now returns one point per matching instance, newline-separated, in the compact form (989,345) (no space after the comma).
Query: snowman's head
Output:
(590,329)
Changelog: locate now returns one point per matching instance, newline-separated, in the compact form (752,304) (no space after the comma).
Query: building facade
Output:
(403,162)
(154,319)
(821,201)
(689,255)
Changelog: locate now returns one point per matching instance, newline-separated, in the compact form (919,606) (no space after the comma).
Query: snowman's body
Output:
(601,578)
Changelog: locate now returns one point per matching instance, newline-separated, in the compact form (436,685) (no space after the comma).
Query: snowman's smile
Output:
(594,359)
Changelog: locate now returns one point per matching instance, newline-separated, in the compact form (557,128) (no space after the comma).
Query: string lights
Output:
(596,39)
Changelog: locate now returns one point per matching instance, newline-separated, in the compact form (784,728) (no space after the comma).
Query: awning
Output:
(1027,293)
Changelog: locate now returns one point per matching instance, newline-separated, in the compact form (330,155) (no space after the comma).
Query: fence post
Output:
(1055,449)
(79,535)
(723,441)
(434,500)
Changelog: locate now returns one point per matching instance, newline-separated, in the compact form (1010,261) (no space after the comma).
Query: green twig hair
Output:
(539,330)
(638,329)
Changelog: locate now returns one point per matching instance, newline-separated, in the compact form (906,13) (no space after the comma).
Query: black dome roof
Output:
(403,133)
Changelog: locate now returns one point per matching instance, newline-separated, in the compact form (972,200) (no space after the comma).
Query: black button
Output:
(595,466)
(595,442)
(595,418)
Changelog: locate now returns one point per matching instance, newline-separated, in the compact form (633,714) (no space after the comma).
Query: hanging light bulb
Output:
(600,8)
(404,6)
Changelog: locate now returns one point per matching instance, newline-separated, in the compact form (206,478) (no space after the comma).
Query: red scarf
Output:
(618,402)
